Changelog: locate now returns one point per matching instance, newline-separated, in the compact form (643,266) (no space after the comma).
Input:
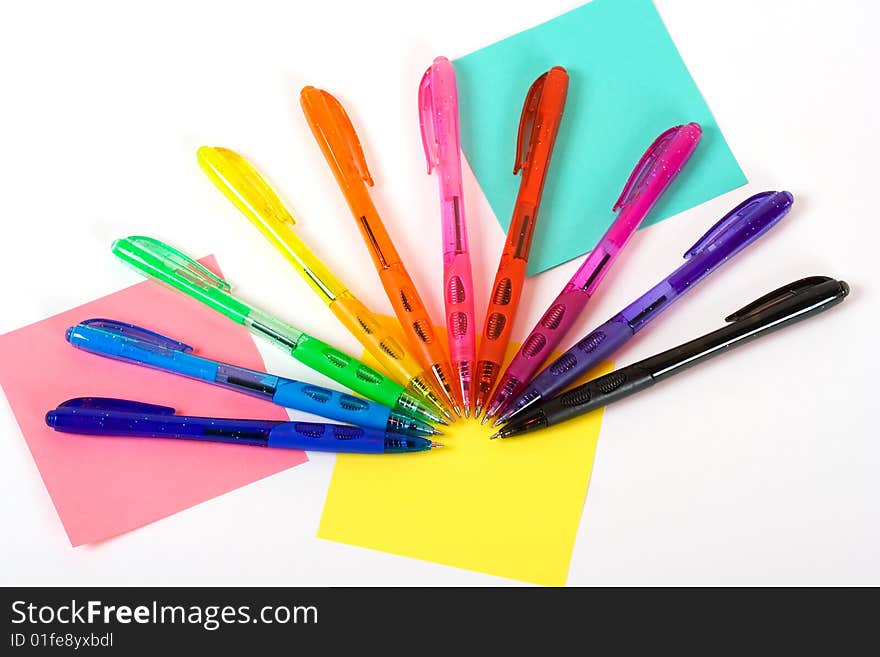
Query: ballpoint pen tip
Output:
(442,422)
(437,433)
(498,421)
(485,419)
(456,409)
(495,435)
(435,445)
(477,411)
(467,411)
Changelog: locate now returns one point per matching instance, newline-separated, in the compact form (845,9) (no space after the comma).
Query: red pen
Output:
(538,126)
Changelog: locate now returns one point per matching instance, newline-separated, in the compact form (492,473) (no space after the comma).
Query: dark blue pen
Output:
(732,233)
(134,344)
(105,416)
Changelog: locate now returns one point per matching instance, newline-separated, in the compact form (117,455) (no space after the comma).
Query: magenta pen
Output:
(651,176)
(438,116)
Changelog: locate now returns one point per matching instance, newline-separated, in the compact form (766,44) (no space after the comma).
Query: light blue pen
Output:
(134,344)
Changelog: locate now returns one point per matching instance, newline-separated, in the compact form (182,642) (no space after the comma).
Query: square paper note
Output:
(508,508)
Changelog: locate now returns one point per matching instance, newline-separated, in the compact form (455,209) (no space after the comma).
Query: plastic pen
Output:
(735,231)
(242,184)
(339,142)
(106,416)
(438,118)
(538,126)
(134,344)
(787,305)
(657,168)
(167,265)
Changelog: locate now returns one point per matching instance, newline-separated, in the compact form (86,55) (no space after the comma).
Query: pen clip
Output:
(243,184)
(114,405)
(184,266)
(136,333)
(527,123)
(426,119)
(739,214)
(776,297)
(636,181)
(337,133)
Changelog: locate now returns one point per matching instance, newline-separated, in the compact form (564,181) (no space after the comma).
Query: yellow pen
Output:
(242,184)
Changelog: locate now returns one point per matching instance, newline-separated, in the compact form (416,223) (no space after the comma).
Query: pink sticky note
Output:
(102,487)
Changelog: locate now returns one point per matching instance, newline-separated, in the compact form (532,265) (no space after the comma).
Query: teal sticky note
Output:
(627,85)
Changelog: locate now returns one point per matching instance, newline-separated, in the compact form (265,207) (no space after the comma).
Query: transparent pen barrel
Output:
(274,330)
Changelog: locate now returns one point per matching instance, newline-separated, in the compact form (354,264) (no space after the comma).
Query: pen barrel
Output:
(453,222)
(586,354)
(599,261)
(240,182)
(540,343)
(182,427)
(739,332)
(518,243)
(327,438)
(243,380)
(347,371)
(182,280)
(331,404)
(384,344)
(500,313)
(373,231)
(597,393)
(313,270)
(417,325)
(282,335)
(174,361)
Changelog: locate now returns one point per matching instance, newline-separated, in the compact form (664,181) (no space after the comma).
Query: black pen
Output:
(789,304)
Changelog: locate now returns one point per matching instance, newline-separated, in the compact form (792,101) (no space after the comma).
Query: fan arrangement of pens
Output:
(423,380)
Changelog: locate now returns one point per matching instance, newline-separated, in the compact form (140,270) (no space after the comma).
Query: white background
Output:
(757,468)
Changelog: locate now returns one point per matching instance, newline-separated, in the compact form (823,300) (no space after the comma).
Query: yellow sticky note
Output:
(504,507)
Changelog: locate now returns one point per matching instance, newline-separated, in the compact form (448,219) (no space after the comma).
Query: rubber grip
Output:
(347,371)
(597,393)
(327,437)
(458,296)
(331,404)
(503,302)
(384,344)
(586,354)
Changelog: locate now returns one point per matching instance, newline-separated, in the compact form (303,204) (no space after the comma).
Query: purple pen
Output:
(735,231)
(652,175)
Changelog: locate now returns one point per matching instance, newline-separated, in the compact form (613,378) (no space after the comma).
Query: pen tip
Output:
(498,422)
(443,422)
(437,433)
(485,419)
(435,445)
(467,412)
(495,435)
(477,411)
(456,409)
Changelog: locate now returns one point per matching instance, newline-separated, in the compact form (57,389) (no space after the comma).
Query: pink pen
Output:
(438,116)
(652,175)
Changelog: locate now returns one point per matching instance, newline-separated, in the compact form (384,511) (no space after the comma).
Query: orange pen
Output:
(538,125)
(339,142)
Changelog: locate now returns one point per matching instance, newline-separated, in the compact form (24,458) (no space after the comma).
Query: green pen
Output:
(167,265)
